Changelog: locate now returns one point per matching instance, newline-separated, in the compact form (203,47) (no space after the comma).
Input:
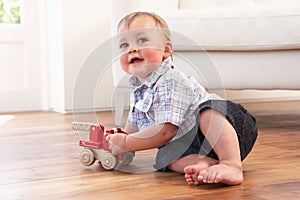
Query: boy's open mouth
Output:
(135,60)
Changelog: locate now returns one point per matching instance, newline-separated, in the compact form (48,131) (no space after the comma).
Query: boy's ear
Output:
(168,49)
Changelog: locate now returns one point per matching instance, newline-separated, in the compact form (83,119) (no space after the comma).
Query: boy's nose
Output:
(133,49)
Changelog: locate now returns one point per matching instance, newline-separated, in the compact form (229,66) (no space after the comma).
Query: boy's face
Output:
(142,47)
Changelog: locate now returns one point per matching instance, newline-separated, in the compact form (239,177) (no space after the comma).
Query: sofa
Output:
(226,44)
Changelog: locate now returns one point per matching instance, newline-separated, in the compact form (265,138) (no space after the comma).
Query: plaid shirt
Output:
(167,95)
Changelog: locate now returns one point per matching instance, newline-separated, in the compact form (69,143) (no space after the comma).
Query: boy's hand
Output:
(116,142)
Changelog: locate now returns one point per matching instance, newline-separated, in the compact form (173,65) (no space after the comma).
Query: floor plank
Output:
(39,160)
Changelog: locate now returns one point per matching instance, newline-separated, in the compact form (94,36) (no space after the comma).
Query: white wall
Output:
(85,26)
(74,30)
(53,53)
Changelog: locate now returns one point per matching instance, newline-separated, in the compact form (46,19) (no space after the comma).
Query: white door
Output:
(20,72)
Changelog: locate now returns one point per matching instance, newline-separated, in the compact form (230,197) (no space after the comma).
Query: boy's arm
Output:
(151,137)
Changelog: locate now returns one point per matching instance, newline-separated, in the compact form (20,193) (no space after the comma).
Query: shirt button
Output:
(137,93)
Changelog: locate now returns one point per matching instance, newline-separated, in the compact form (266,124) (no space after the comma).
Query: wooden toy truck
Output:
(97,148)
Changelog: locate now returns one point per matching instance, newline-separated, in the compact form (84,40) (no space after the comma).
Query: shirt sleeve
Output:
(132,116)
(172,102)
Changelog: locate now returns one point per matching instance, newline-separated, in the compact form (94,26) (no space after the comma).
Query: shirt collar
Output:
(153,77)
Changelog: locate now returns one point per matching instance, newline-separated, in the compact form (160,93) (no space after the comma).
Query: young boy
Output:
(196,133)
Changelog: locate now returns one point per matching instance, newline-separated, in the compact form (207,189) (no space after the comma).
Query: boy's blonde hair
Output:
(160,22)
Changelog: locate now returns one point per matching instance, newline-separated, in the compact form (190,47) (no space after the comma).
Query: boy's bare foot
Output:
(192,171)
(221,173)
(204,172)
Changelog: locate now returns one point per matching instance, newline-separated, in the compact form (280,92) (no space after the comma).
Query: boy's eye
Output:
(142,40)
(123,46)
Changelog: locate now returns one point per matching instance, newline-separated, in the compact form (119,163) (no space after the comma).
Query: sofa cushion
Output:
(232,28)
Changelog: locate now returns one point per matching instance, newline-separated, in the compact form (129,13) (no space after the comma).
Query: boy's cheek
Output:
(152,54)
(124,63)
(147,51)
(123,59)
(125,69)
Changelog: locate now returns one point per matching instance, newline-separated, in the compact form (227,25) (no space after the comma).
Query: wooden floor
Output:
(39,160)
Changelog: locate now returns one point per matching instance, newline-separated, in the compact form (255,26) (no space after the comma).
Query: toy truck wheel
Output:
(87,157)
(109,161)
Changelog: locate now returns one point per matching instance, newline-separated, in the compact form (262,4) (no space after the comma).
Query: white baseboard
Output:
(243,96)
